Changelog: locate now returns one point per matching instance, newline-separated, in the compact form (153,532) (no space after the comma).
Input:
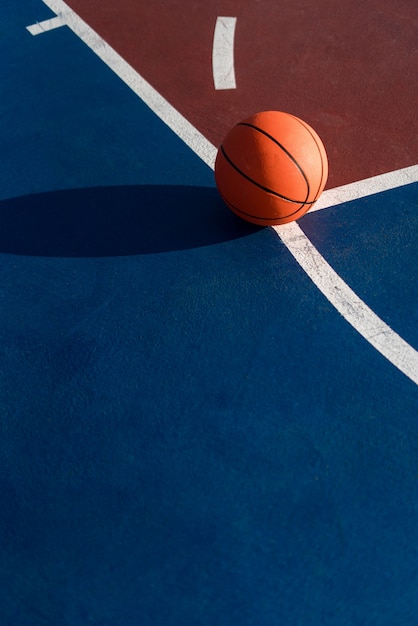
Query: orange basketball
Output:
(271,168)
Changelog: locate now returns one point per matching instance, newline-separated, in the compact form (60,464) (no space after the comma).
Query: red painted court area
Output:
(349,69)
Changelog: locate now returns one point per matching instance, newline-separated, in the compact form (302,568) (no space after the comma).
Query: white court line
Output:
(159,105)
(223,53)
(353,309)
(366,187)
(46,25)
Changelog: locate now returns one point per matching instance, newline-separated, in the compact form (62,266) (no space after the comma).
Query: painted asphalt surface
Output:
(350,73)
(190,433)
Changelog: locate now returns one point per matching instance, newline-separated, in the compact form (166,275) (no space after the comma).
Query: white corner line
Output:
(46,25)
(366,187)
(386,341)
(223,53)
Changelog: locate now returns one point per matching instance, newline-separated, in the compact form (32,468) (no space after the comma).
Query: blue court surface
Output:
(191,433)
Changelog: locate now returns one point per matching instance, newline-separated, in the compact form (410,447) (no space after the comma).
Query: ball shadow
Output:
(117,221)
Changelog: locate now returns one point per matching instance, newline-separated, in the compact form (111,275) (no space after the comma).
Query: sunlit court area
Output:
(209,313)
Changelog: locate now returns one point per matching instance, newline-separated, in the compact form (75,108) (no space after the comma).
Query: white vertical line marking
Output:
(341,296)
(223,53)
(46,25)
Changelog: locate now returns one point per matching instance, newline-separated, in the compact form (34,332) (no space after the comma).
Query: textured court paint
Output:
(386,341)
(351,307)
(159,105)
(176,447)
(57,143)
(45,26)
(350,73)
(371,244)
(190,135)
(223,53)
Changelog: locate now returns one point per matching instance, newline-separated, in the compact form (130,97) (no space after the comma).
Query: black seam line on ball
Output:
(266,219)
(319,150)
(259,217)
(274,193)
(291,157)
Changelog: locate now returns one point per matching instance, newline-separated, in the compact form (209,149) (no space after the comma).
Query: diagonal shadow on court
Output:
(117,221)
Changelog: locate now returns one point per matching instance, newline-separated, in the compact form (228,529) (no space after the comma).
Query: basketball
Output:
(271,168)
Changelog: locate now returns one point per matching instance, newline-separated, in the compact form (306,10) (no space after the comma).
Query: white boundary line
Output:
(366,187)
(223,53)
(351,307)
(159,105)
(343,298)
